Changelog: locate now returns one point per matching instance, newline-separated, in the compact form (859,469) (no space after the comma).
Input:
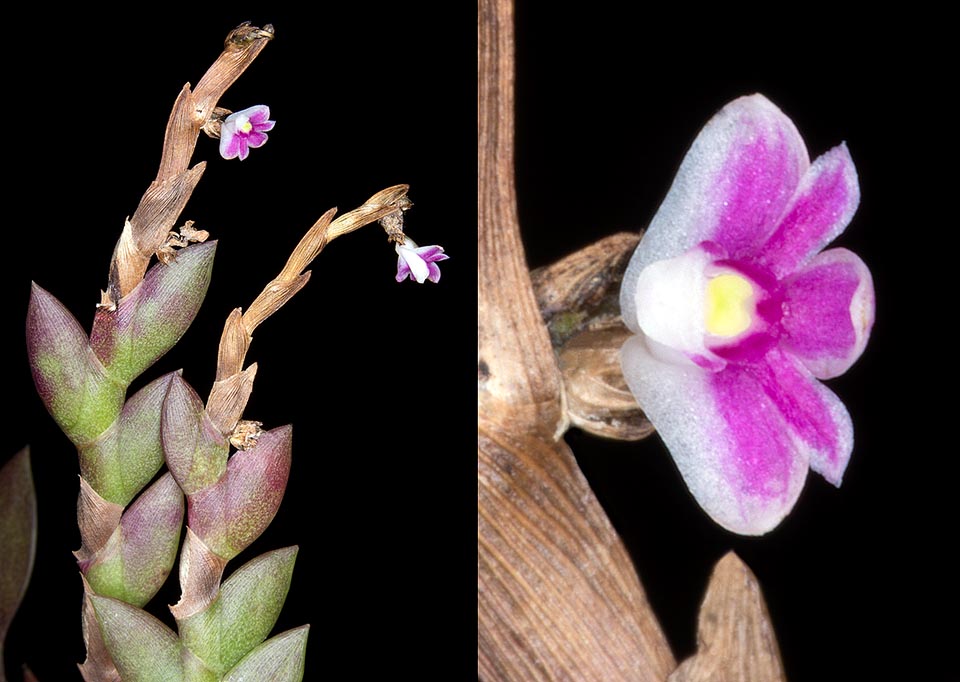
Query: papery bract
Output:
(738,313)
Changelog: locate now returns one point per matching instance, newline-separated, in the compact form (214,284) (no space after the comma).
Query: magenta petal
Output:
(727,438)
(403,270)
(431,253)
(828,312)
(825,202)
(256,139)
(434,272)
(233,146)
(814,415)
(732,188)
(257,114)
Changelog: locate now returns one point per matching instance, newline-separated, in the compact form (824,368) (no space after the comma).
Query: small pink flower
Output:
(419,262)
(244,129)
(739,311)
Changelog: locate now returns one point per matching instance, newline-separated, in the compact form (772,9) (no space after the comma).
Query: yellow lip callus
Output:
(730,305)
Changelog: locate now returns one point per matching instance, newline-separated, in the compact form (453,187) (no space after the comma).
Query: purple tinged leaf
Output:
(195,450)
(151,319)
(18,537)
(69,378)
(243,614)
(137,559)
(143,648)
(127,457)
(233,513)
(279,659)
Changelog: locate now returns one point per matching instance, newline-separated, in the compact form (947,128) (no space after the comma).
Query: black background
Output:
(859,580)
(377,376)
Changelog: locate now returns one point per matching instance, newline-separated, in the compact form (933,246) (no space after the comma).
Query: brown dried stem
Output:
(167,195)
(557,594)
(233,384)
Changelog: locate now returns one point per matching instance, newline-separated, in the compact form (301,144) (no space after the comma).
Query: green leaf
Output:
(244,612)
(129,454)
(279,659)
(136,560)
(150,320)
(195,451)
(143,648)
(18,537)
(69,378)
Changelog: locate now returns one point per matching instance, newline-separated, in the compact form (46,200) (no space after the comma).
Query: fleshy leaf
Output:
(150,320)
(194,670)
(127,456)
(279,659)
(196,452)
(231,514)
(18,536)
(143,648)
(70,379)
(138,557)
(244,612)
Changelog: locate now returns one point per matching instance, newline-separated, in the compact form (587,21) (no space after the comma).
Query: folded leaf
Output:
(143,648)
(149,321)
(243,614)
(195,450)
(71,381)
(279,659)
(127,457)
(138,557)
(231,514)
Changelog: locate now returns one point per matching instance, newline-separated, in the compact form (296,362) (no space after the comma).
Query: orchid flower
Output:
(738,313)
(418,262)
(244,129)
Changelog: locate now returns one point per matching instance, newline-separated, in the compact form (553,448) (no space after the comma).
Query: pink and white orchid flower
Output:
(243,130)
(419,263)
(738,312)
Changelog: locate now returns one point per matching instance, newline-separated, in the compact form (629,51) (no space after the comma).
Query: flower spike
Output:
(242,130)
(738,312)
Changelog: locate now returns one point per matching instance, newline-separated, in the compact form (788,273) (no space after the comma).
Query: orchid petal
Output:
(825,202)
(829,312)
(732,187)
(732,450)
(257,114)
(418,267)
(256,139)
(403,270)
(814,416)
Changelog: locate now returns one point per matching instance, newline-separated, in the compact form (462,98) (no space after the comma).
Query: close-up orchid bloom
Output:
(419,263)
(243,130)
(738,313)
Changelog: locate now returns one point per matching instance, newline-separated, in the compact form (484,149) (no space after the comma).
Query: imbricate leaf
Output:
(243,614)
(143,648)
(279,659)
